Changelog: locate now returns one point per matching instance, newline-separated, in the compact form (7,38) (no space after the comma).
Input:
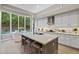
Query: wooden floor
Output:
(66,50)
(12,47)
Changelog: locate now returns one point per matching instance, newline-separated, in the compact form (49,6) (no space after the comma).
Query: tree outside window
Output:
(14,22)
(5,22)
(21,23)
(27,23)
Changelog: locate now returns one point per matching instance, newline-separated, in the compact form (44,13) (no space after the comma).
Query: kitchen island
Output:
(48,43)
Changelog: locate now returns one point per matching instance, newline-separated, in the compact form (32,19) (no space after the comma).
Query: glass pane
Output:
(27,23)
(5,22)
(14,22)
(21,23)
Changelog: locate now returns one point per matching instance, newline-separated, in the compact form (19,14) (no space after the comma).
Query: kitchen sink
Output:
(39,33)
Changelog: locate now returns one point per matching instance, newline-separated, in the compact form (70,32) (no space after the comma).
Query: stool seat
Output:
(27,41)
(27,46)
(36,45)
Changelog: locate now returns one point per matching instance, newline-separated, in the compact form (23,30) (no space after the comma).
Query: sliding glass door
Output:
(5,23)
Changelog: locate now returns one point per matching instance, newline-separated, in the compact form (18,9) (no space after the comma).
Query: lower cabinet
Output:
(75,41)
(51,48)
(69,40)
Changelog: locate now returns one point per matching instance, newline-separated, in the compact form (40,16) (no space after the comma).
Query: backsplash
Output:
(55,29)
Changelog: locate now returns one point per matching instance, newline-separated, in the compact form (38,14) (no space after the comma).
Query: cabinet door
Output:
(74,41)
(78,19)
(58,20)
(64,40)
(73,19)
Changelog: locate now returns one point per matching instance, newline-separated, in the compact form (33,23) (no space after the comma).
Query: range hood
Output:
(51,20)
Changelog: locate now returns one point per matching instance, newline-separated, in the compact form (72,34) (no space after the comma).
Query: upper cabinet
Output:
(69,19)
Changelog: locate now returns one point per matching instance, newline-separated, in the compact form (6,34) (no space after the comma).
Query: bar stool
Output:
(27,46)
(36,48)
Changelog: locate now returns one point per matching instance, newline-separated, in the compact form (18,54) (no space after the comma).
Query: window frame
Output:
(10,29)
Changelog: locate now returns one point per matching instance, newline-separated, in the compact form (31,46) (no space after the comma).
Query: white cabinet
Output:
(74,41)
(58,21)
(73,18)
(41,23)
(69,40)
(78,20)
(62,20)
(64,40)
(70,19)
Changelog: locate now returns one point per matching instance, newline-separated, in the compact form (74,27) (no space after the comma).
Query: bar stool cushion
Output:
(36,45)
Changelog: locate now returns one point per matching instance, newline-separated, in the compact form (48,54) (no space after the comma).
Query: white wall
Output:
(69,19)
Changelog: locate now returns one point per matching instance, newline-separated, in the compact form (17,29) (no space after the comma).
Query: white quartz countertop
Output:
(43,39)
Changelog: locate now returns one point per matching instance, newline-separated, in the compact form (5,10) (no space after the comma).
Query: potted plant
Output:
(75,30)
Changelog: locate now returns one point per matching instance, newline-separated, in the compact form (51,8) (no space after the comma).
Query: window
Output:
(27,23)
(11,24)
(21,23)
(5,22)
(14,22)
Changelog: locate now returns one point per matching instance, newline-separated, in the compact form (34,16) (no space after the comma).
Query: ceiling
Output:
(34,8)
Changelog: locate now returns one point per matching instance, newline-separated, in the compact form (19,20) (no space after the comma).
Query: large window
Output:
(21,23)
(9,22)
(5,22)
(14,22)
(27,23)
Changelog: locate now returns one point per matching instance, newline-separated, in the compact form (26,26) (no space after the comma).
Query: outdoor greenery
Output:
(21,23)
(27,23)
(14,22)
(5,22)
